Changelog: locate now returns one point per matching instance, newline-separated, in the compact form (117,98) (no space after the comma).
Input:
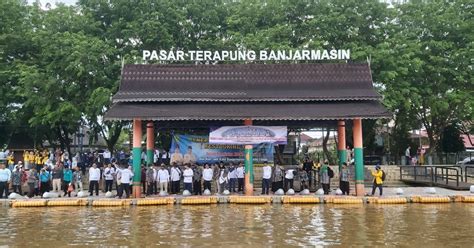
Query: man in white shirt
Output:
(94,177)
(175,179)
(188,178)
(232,177)
(124,176)
(109,173)
(289,175)
(207,174)
(240,171)
(267,174)
(408,155)
(5,177)
(163,177)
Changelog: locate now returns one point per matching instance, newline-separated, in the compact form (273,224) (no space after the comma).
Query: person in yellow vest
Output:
(11,160)
(377,183)
(38,161)
(45,157)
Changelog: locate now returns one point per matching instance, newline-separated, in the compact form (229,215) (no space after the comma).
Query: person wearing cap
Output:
(267,175)
(377,183)
(344,182)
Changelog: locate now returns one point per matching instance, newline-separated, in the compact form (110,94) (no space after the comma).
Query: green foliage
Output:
(451,141)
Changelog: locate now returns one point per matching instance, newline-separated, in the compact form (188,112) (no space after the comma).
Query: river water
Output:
(241,225)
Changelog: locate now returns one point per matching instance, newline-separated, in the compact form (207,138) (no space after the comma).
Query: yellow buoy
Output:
(300,199)
(29,203)
(110,203)
(249,199)
(468,199)
(435,199)
(198,200)
(56,203)
(347,200)
(159,201)
(400,200)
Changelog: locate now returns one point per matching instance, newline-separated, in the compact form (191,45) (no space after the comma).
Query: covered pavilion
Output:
(202,96)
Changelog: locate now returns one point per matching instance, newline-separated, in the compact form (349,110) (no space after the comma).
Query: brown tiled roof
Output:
(173,111)
(246,82)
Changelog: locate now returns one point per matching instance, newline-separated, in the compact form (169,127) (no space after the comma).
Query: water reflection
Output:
(232,225)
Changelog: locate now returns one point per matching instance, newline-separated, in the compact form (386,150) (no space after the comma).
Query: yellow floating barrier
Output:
(468,199)
(300,199)
(415,199)
(435,199)
(159,201)
(198,200)
(110,203)
(249,199)
(29,203)
(347,200)
(61,203)
(371,199)
(399,200)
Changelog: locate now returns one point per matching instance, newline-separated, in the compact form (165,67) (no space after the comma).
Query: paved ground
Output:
(409,191)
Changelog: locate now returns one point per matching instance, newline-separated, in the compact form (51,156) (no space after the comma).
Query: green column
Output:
(359,164)
(137,153)
(149,157)
(342,154)
(249,162)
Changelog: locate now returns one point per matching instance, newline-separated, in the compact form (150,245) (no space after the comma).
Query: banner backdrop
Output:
(241,135)
(196,148)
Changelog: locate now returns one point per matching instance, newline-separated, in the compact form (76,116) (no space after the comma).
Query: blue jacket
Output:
(44,176)
(67,175)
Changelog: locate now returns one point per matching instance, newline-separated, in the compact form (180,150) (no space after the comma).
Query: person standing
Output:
(240,173)
(16,179)
(67,179)
(232,178)
(207,174)
(77,179)
(5,177)
(344,175)
(407,155)
(143,178)
(176,157)
(150,180)
(215,176)
(188,178)
(107,156)
(325,180)
(109,174)
(308,168)
(163,178)
(31,181)
(377,183)
(124,177)
(94,177)
(175,179)
(267,174)
(289,177)
(303,180)
(45,178)
(223,178)
(57,176)
(197,189)
(277,179)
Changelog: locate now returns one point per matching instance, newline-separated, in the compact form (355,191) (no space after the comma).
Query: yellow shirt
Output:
(11,159)
(377,176)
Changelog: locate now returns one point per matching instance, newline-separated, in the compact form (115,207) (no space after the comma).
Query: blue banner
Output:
(196,148)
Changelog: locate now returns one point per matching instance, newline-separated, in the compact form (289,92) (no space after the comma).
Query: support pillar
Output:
(150,143)
(358,157)
(341,144)
(248,181)
(136,153)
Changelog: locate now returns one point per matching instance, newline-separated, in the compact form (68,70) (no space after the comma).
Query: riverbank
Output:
(410,195)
